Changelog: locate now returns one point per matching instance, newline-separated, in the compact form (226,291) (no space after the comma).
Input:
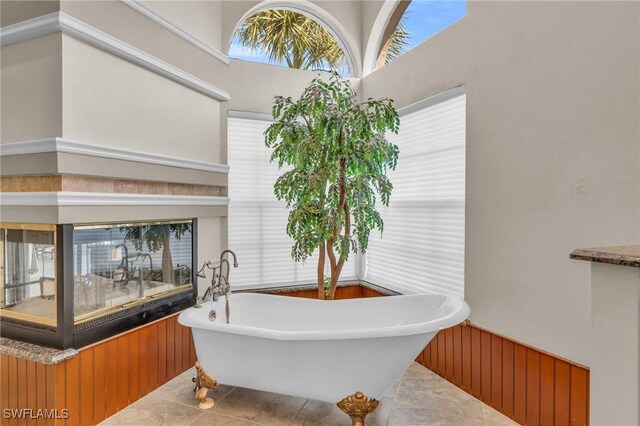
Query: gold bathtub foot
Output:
(203,382)
(357,406)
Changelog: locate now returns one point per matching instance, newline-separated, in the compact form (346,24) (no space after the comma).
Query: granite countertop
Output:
(620,255)
(36,353)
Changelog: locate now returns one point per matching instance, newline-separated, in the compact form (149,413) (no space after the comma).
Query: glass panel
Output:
(118,265)
(29,275)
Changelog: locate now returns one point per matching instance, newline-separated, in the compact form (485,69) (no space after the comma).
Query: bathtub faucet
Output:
(219,282)
(224,288)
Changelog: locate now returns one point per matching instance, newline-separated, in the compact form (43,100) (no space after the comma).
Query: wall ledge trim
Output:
(249,115)
(64,199)
(56,144)
(60,21)
(190,38)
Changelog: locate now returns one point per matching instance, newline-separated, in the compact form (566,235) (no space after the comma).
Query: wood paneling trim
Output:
(102,379)
(529,386)
(346,292)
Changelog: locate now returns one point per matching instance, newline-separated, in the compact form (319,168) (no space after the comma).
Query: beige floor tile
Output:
(412,416)
(316,413)
(153,411)
(180,390)
(438,395)
(211,418)
(495,418)
(418,372)
(260,407)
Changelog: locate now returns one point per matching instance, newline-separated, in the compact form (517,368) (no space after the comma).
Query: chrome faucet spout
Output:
(235,258)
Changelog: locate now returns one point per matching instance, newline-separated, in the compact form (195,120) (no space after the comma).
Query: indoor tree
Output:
(339,155)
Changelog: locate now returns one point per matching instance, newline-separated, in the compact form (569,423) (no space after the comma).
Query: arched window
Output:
(289,38)
(409,23)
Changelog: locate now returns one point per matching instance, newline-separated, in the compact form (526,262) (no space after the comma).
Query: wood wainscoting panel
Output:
(344,292)
(102,379)
(525,384)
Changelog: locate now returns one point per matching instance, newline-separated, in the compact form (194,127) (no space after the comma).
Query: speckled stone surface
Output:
(620,255)
(307,287)
(36,353)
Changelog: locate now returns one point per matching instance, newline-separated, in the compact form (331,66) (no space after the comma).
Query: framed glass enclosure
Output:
(121,265)
(71,285)
(28,279)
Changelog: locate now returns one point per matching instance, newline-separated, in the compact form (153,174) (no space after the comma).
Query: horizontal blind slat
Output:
(422,246)
(257,221)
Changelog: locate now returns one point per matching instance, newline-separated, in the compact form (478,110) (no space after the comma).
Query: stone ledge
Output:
(35,353)
(618,255)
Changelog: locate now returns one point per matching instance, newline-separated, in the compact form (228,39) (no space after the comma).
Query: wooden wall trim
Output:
(102,379)
(529,386)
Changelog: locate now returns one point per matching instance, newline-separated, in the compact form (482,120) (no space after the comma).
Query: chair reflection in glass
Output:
(126,271)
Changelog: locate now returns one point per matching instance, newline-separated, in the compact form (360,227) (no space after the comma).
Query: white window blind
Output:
(257,221)
(422,246)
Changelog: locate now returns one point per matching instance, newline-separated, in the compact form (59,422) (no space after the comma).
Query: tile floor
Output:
(420,397)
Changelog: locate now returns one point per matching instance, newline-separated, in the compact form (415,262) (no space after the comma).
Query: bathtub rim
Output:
(197,319)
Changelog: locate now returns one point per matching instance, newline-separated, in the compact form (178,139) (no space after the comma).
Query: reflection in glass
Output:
(28,279)
(120,264)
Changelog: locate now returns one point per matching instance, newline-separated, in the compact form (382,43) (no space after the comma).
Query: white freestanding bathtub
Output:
(322,350)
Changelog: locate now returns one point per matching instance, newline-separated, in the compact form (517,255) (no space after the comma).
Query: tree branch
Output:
(331,254)
(321,257)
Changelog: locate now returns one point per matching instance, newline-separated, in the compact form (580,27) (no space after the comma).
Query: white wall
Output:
(199,18)
(12,11)
(109,101)
(128,25)
(31,89)
(210,244)
(253,85)
(552,153)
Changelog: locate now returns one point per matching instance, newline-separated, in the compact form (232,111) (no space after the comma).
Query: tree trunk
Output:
(168,275)
(335,276)
(321,256)
(336,265)
(332,267)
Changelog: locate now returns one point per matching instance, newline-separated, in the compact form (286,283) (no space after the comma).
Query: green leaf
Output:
(336,148)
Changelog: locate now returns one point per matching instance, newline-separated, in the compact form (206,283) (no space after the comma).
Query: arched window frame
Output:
(322,17)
